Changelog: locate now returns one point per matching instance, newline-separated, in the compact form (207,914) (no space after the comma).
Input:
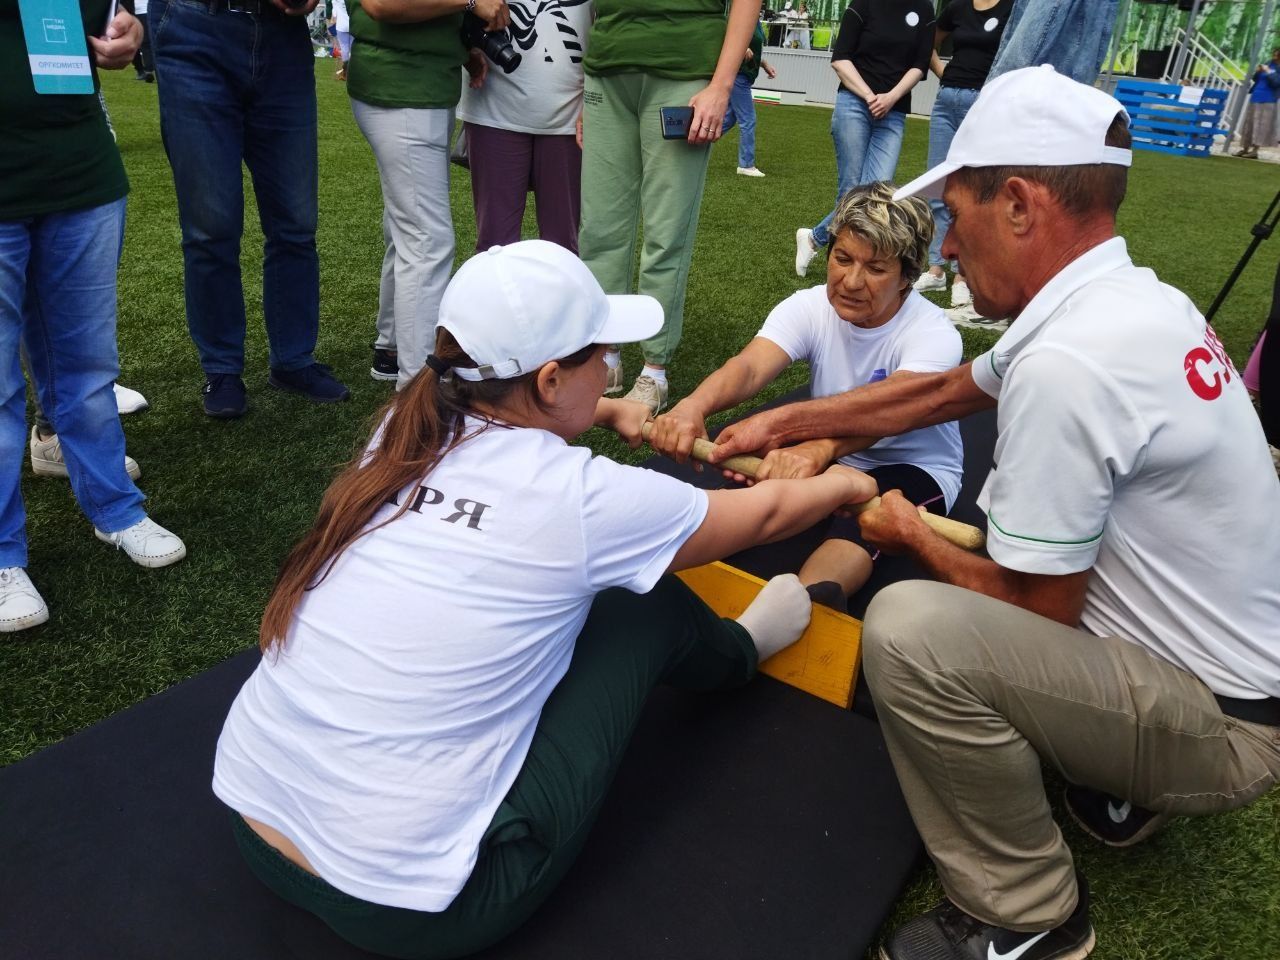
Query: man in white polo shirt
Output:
(1126,628)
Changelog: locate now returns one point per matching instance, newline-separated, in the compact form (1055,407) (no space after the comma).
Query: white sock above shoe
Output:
(657,373)
(778,615)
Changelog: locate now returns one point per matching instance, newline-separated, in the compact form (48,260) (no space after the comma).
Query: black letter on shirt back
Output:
(472,515)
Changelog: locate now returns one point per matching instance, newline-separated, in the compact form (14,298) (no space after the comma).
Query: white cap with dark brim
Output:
(1033,117)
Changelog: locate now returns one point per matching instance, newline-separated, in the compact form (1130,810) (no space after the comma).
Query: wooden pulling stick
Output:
(961,534)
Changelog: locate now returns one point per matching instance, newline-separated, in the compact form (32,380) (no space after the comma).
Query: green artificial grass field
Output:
(241,492)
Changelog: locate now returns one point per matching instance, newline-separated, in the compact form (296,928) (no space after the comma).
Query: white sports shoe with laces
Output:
(648,391)
(129,401)
(147,543)
(806,250)
(47,460)
(21,605)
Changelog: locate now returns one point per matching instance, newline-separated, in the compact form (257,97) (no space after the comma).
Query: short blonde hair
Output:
(894,228)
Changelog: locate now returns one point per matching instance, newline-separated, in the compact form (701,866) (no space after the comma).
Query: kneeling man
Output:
(1126,629)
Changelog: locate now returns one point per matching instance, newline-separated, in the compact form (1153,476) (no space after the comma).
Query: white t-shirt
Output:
(341,19)
(384,736)
(1127,443)
(544,94)
(841,356)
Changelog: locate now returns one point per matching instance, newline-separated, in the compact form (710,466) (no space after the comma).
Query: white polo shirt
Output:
(919,337)
(1127,444)
(384,736)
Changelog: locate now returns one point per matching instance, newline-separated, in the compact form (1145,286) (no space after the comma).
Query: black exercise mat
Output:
(762,823)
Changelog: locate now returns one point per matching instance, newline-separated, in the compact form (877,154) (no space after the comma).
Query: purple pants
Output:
(505,165)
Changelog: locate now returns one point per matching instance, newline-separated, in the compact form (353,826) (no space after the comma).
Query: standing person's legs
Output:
(949,111)
(557,188)
(611,178)
(1247,144)
(386,322)
(744,111)
(973,694)
(673,173)
(412,150)
(70,332)
(501,164)
(883,148)
(280,152)
(15,255)
(851,130)
(204,61)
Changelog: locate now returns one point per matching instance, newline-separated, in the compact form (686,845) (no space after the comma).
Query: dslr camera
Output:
(495,44)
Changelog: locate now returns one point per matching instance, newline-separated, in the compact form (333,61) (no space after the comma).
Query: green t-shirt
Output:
(56,152)
(677,39)
(751,68)
(405,64)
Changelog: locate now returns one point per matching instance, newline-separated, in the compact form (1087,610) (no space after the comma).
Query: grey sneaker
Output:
(147,543)
(648,391)
(21,605)
(46,458)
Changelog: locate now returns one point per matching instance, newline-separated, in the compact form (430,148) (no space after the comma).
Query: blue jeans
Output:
(948,112)
(1073,35)
(58,295)
(866,149)
(241,87)
(742,111)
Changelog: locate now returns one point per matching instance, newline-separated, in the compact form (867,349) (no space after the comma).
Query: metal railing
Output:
(1202,63)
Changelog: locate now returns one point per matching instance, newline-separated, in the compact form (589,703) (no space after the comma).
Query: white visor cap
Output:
(515,307)
(1033,117)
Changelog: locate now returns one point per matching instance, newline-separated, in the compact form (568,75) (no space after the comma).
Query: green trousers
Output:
(629,644)
(632,177)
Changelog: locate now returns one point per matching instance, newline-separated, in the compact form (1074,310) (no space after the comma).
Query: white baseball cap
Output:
(515,307)
(1033,117)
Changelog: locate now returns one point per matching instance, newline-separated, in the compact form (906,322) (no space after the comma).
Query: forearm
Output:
(936,65)
(796,505)
(411,11)
(851,79)
(730,385)
(742,20)
(903,86)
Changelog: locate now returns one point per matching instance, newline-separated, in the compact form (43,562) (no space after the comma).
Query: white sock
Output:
(778,615)
(613,359)
(658,373)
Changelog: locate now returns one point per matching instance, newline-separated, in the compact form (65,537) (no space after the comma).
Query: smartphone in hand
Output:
(675,122)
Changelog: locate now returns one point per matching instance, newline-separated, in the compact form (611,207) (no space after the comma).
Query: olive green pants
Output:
(973,693)
(629,644)
(631,177)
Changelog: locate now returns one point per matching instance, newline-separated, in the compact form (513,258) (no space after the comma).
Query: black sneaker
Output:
(315,382)
(385,365)
(1116,822)
(225,397)
(948,933)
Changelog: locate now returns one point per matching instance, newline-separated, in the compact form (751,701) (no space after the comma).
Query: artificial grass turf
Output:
(240,492)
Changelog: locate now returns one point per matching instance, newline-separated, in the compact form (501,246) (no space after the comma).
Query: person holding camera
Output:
(403,77)
(1259,129)
(521,120)
(641,59)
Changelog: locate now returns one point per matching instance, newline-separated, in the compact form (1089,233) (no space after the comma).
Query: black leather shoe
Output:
(948,933)
(225,396)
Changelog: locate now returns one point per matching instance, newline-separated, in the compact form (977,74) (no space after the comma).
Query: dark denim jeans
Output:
(866,149)
(241,87)
(58,294)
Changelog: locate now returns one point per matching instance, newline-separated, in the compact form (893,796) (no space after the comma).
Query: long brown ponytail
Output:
(420,425)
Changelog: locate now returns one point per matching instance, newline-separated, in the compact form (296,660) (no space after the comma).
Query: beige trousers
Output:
(974,693)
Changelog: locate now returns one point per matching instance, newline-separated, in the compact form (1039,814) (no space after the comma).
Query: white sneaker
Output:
(648,391)
(967,316)
(960,295)
(930,281)
(147,543)
(129,401)
(613,381)
(21,605)
(46,458)
(750,172)
(806,250)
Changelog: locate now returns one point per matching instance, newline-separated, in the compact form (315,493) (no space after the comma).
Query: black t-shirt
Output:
(884,39)
(975,38)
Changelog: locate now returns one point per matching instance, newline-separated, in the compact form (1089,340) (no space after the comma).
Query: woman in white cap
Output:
(449,679)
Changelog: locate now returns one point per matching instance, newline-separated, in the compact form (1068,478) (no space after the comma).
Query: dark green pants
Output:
(630,643)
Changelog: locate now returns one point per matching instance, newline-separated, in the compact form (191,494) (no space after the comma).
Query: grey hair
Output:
(894,228)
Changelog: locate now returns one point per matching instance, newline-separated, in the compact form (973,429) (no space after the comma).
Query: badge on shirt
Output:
(56,47)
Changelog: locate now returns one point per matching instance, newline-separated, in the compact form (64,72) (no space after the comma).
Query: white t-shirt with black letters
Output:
(384,736)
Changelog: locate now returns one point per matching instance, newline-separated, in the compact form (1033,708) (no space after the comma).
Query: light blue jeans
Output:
(58,295)
(742,111)
(1070,34)
(948,112)
(866,149)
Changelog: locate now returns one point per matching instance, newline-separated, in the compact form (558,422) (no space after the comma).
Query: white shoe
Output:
(147,543)
(648,391)
(613,380)
(21,605)
(129,401)
(960,295)
(930,281)
(46,458)
(806,250)
(750,172)
(967,316)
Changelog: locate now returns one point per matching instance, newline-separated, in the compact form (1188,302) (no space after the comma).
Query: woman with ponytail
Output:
(450,670)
